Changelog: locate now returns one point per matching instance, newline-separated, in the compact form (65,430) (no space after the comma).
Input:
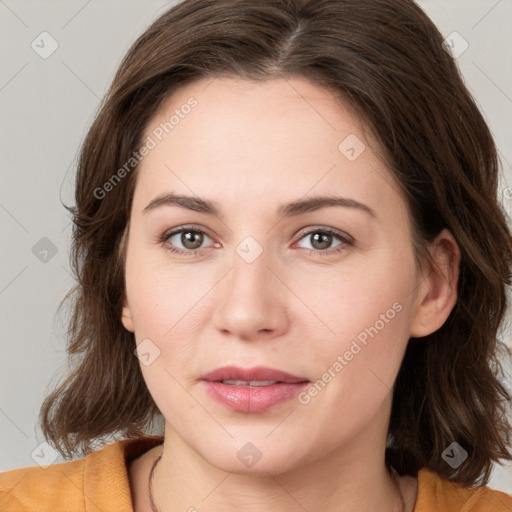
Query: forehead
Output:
(246,138)
(283,110)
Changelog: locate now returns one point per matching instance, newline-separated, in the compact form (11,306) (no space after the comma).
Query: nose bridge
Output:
(250,273)
(252,299)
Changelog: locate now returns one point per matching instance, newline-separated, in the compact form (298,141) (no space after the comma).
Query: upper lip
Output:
(257,373)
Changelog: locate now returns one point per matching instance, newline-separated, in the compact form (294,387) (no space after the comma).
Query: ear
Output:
(438,291)
(126,318)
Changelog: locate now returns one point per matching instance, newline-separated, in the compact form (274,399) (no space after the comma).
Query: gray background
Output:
(47,106)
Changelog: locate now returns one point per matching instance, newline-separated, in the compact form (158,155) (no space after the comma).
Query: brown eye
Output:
(191,239)
(321,241)
(186,241)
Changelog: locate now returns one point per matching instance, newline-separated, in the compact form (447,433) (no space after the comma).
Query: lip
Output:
(252,399)
(255,373)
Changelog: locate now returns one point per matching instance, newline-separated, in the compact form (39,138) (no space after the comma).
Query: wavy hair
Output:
(385,58)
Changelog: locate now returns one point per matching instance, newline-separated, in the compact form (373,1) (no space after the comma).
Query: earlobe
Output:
(438,290)
(126,318)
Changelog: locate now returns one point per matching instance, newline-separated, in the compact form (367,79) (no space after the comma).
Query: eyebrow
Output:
(291,209)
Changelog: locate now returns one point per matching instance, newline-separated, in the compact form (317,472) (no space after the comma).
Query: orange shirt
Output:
(99,483)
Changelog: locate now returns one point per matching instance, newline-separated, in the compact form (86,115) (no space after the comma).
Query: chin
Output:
(257,458)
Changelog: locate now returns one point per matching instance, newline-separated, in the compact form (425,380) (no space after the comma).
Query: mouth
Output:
(250,383)
(252,390)
(256,376)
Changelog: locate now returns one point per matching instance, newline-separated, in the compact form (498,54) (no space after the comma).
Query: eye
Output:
(322,239)
(189,238)
(192,238)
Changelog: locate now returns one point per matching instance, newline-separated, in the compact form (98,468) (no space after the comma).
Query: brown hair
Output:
(386,59)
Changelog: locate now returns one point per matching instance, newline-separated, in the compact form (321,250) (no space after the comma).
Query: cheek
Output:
(167,304)
(364,313)
(166,317)
(158,293)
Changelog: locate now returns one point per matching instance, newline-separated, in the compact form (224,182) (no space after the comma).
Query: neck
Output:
(351,478)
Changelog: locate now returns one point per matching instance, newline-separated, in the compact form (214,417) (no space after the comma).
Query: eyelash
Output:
(345,241)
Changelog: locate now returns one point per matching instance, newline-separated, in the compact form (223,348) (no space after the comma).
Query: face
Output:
(263,272)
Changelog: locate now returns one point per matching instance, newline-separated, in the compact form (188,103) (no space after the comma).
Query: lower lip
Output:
(253,399)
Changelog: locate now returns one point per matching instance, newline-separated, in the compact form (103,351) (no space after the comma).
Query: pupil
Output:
(325,236)
(188,236)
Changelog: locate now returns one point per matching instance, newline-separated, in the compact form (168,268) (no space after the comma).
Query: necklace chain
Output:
(155,509)
(151,500)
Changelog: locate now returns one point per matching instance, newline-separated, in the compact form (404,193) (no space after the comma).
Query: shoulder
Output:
(56,487)
(439,494)
(99,481)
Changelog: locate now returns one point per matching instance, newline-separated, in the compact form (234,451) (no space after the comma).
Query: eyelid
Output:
(186,227)
(317,228)
(343,237)
(163,239)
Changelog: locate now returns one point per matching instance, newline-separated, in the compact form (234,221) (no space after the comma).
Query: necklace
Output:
(155,509)
(394,475)
(151,501)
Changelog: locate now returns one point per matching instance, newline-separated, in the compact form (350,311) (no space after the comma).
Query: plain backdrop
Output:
(49,94)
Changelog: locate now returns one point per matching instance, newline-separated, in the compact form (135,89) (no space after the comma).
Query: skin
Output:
(251,147)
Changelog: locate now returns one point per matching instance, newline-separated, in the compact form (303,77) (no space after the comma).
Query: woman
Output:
(288,210)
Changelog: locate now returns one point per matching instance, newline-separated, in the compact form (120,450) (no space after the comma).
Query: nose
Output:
(251,300)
